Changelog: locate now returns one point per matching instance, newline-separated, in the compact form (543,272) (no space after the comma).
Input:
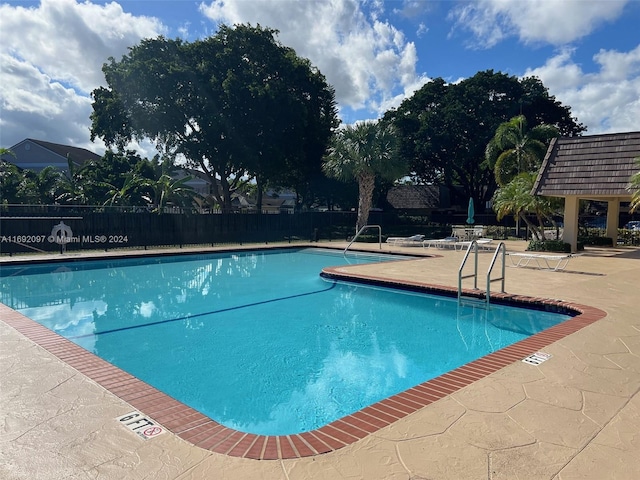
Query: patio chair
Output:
(479,231)
(459,231)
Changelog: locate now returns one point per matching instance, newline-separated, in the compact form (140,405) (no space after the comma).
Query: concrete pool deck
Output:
(575,416)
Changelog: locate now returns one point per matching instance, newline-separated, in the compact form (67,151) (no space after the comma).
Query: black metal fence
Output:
(119,230)
(40,228)
(51,228)
(29,228)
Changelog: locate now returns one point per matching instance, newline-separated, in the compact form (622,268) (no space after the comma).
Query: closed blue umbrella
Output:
(470,213)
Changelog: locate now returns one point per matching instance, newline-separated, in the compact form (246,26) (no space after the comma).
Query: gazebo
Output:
(592,167)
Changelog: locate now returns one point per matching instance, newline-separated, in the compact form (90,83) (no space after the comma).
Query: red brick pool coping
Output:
(206,433)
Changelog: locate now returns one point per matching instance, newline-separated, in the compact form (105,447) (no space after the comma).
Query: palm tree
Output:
(362,152)
(123,195)
(514,150)
(515,199)
(72,184)
(634,185)
(167,190)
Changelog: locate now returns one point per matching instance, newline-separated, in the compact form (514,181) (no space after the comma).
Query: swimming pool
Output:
(258,350)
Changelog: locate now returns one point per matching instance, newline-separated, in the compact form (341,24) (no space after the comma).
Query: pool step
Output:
(472,301)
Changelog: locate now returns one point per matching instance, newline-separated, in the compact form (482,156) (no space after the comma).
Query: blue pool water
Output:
(257,340)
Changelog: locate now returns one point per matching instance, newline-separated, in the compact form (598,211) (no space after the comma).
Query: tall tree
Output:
(235,104)
(444,128)
(515,149)
(362,152)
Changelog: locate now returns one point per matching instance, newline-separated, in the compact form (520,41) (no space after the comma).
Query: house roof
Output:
(414,196)
(593,166)
(38,154)
(78,155)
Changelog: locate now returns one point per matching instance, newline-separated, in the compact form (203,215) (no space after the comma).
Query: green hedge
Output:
(552,246)
(596,241)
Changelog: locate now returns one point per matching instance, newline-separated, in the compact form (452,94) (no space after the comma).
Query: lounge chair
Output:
(453,242)
(440,242)
(412,241)
(542,261)
(483,244)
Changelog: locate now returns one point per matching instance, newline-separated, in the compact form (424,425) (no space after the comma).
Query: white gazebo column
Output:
(613,216)
(570,232)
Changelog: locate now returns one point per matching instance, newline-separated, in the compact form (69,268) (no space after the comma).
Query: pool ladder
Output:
(501,250)
(366,227)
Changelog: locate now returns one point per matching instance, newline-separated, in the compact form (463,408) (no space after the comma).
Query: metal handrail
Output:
(362,230)
(474,245)
(501,247)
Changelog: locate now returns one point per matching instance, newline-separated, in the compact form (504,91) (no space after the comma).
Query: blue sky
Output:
(374,52)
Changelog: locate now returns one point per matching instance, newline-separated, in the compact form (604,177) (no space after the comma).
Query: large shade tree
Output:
(235,104)
(363,152)
(444,128)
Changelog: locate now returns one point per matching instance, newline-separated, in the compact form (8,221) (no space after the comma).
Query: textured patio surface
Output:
(575,416)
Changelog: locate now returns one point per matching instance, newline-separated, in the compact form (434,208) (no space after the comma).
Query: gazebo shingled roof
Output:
(593,167)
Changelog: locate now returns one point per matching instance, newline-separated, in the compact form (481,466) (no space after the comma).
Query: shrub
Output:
(596,241)
(551,246)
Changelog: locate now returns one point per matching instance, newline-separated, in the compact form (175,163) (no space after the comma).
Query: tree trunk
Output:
(537,232)
(226,195)
(366,184)
(259,192)
(219,196)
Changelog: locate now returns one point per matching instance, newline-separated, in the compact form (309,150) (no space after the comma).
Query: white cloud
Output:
(557,22)
(70,41)
(607,100)
(54,61)
(367,60)
(617,65)
(48,69)
(36,106)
